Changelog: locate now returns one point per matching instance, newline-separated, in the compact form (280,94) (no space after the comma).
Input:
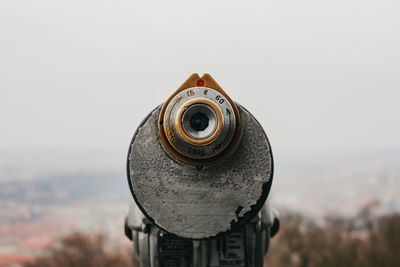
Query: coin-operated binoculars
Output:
(200,170)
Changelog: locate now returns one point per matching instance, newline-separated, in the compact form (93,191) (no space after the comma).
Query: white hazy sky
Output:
(316,74)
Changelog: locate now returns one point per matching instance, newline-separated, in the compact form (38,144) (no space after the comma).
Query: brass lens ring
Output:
(217,122)
(187,132)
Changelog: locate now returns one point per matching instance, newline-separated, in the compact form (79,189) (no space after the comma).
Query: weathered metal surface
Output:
(197,202)
(215,252)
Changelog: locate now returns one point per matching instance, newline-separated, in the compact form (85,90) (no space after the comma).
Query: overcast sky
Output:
(316,74)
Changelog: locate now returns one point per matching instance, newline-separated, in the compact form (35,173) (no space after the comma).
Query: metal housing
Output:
(200,202)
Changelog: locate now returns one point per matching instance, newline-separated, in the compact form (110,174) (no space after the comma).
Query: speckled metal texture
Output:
(205,202)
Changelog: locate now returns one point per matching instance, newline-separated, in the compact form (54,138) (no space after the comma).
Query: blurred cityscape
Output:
(38,207)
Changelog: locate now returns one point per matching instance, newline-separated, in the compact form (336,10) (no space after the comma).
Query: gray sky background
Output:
(316,74)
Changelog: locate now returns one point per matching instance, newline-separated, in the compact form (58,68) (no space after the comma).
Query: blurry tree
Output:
(337,243)
(81,250)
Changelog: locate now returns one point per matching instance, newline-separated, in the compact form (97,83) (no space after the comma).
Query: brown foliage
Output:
(338,243)
(79,250)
